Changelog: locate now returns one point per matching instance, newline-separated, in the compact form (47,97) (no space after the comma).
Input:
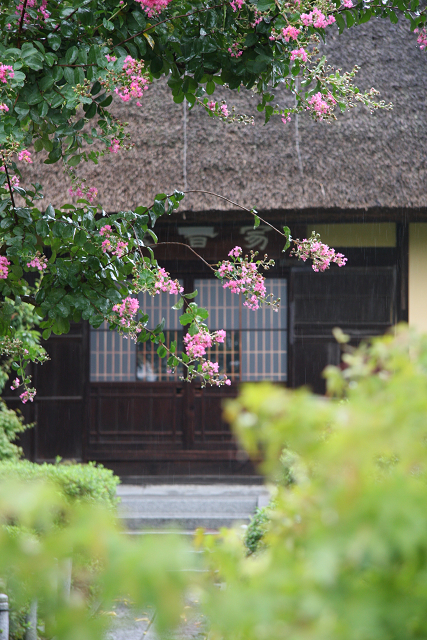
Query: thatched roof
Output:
(360,161)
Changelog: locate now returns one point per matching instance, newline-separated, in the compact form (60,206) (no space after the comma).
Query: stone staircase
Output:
(185,507)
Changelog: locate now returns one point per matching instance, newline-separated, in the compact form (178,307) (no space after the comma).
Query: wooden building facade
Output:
(361,182)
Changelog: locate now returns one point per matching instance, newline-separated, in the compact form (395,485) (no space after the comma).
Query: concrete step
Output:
(184,522)
(186,507)
(231,506)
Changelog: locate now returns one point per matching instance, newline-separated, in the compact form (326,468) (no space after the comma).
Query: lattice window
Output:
(255,347)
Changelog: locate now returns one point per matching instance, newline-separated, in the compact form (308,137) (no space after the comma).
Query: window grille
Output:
(255,347)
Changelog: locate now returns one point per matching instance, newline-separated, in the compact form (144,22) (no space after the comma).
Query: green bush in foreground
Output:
(11,424)
(346,547)
(77,482)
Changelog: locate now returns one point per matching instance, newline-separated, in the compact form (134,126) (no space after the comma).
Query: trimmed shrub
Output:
(11,424)
(77,482)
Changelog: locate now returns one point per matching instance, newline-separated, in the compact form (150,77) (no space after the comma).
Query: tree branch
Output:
(184,15)
(8,181)
(251,211)
(21,22)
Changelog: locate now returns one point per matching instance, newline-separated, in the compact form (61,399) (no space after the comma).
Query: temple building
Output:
(361,182)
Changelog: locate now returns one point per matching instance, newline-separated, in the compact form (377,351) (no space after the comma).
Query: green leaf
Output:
(192,295)
(186,318)
(50,212)
(210,87)
(80,238)
(108,25)
(42,228)
(340,22)
(287,233)
(162,351)
(71,55)
(256,221)
(178,305)
(74,161)
(54,40)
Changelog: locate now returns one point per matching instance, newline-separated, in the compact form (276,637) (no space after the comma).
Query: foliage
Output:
(346,547)
(11,424)
(141,568)
(78,483)
(61,64)
(257,527)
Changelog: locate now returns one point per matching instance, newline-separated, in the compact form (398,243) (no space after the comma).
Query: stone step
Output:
(195,506)
(184,522)
(186,507)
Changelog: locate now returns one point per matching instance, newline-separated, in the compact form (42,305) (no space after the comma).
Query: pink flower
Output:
(28,395)
(6,71)
(319,253)
(422,38)
(152,7)
(4,107)
(224,110)
(4,264)
(211,105)
(126,310)
(236,252)
(286,119)
(25,156)
(105,230)
(290,32)
(317,19)
(299,53)
(347,3)
(111,58)
(15,384)
(237,4)
(38,262)
(115,146)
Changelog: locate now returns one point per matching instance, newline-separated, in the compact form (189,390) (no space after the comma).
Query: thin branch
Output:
(8,181)
(184,15)
(21,22)
(210,193)
(182,244)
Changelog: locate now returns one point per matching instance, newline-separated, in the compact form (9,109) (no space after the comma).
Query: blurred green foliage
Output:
(35,554)
(346,547)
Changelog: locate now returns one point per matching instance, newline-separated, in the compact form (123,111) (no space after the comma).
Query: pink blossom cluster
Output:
(286,34)
(317,19)
(224,110)
(321,104)
(31,4)
(134,82)
(15,384)
(197,345)
(242,276)
(25,156)
(126,310)
(235,50)
(4,107)
(4,264)
(257,20)
(115,146)
(211,105)
(14,180)
(237,4)
(88,193)
(38,261)
(286,118)
(153,7)
(347,3)
(6,71)
(28,395)
(111,58)
(319,253)
(165,283)
(299,54)
(112,244)
(422,38)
